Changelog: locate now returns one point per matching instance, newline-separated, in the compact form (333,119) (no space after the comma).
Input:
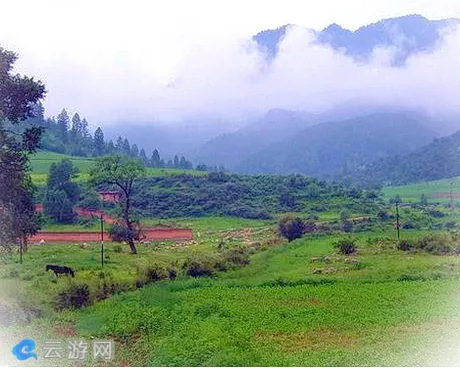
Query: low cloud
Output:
(230,78)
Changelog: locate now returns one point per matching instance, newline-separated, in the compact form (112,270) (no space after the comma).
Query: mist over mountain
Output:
(329,149)
(406,35)
(439,159)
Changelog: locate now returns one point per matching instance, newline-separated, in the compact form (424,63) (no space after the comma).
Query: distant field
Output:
(42,161)
(438,190)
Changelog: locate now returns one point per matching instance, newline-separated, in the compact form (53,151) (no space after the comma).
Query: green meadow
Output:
(295,304)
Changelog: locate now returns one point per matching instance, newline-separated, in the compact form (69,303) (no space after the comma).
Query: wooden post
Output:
(102,241)
(397,218)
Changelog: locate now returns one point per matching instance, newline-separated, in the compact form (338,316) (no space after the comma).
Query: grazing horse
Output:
(60,269)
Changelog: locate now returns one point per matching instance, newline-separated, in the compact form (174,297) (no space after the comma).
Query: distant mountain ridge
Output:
(326,150)
(439,159)
(409,35)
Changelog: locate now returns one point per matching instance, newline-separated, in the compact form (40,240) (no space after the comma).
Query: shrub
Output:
(120,233)
(436,244)
(347,226)
(346,246)
(383,216)
(86,221)
(155,272)
(196,266)
(435,213)
(405,245)
(75,296)
(237,256)
(291,227)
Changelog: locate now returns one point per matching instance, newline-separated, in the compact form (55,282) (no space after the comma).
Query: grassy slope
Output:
(412,192)
(42,160)
(367,316)
(361,314)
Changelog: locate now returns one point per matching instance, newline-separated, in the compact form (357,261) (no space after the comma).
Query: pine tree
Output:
(110,147)
(84,128)
(143,157)
(134,150)
(176,162)
(76,131)
(99,142)
(126,148)
(119,145)
(63,123)
(155,159)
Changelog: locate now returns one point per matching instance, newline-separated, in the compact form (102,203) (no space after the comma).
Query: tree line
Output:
(71,135)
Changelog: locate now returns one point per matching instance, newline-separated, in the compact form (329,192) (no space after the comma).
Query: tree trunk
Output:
(129,225)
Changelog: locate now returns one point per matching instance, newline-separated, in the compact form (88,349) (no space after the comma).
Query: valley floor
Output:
(295,304)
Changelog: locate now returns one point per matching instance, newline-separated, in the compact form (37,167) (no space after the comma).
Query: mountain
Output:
(177,138)
(329,149)
(439,159)
(230,148)
(409,35)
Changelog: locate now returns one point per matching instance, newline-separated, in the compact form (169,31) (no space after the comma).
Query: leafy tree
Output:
(58,206)
(291,227)
(123,173)
(61,194)
(18,96)
(99,142)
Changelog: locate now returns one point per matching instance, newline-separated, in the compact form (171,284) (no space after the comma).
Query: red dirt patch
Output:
(94,236)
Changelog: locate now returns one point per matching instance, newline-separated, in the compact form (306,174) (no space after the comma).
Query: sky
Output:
(150,61)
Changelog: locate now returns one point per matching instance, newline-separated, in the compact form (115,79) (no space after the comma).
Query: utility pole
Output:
(397,218)
(102,241)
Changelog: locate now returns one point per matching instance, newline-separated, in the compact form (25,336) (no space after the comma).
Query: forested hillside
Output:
(333,149)
(437,160)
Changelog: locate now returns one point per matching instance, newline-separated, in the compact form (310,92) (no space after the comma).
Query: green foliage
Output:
(18,97)
(122,173)
(441,243)
(346,245)
(61,194)
(76,295)
(291,227)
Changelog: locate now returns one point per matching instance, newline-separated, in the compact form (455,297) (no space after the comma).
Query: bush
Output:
(120,233)
(291,227)
(199,266)
(86,221)
(435,244)
(75,296)
(405,245)
(237,256)
(346,246)
(155,272)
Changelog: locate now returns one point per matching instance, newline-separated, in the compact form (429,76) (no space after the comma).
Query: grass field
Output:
(299,303)
(42,161)
(413,192)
